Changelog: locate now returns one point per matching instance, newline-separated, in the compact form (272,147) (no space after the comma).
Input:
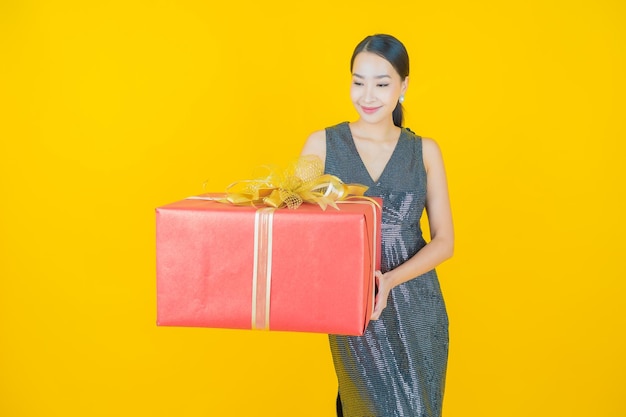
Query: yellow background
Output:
(108,111)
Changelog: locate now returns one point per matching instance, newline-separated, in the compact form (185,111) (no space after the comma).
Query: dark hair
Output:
(391,49)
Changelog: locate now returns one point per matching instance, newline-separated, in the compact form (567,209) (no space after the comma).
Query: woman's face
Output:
(376,87)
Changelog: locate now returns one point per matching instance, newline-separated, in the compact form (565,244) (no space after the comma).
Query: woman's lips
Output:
(369,110)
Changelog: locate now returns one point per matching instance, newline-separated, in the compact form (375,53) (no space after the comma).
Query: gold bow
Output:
(303,181)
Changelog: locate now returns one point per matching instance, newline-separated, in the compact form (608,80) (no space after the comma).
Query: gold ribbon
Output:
(262,268)
(303,181)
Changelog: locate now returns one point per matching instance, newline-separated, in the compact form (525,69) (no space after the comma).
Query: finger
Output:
(378,310)
(375,312)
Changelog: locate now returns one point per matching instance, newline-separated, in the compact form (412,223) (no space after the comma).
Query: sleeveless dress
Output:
(398,367)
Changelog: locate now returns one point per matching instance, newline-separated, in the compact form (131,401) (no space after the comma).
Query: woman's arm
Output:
(441,245)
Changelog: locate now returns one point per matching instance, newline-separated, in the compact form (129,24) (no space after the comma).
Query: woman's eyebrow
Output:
(377,76)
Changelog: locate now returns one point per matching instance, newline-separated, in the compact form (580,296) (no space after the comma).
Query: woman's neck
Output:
(383,131)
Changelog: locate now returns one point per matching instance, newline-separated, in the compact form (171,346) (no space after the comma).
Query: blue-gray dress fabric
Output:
(398,367)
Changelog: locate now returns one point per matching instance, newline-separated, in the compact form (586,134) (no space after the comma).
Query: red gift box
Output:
(307,270)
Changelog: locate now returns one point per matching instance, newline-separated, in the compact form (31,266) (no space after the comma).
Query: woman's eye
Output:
(382,85)
(357,83)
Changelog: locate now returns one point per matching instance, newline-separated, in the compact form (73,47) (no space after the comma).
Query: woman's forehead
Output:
(367,64)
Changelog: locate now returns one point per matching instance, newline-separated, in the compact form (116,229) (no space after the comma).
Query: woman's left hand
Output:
(384,286)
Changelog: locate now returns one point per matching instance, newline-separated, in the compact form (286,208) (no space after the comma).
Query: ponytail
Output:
(398,115)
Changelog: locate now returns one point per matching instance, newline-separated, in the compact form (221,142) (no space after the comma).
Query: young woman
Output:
(398,367)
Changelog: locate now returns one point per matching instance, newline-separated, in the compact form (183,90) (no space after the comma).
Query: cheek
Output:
(392,94)
(354,94)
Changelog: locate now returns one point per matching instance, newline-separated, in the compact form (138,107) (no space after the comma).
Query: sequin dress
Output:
(398,367)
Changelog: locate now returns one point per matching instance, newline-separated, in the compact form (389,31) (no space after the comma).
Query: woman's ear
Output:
(405,85)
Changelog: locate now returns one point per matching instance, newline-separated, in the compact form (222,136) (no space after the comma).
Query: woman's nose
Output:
(369,93)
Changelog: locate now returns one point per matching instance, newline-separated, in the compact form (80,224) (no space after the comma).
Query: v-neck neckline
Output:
(356,151)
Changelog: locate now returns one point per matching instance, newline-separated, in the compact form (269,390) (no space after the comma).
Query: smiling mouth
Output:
(369,110)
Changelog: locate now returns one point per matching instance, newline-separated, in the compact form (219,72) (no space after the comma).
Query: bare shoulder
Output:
(315,144)
(431,153)
(317,136)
